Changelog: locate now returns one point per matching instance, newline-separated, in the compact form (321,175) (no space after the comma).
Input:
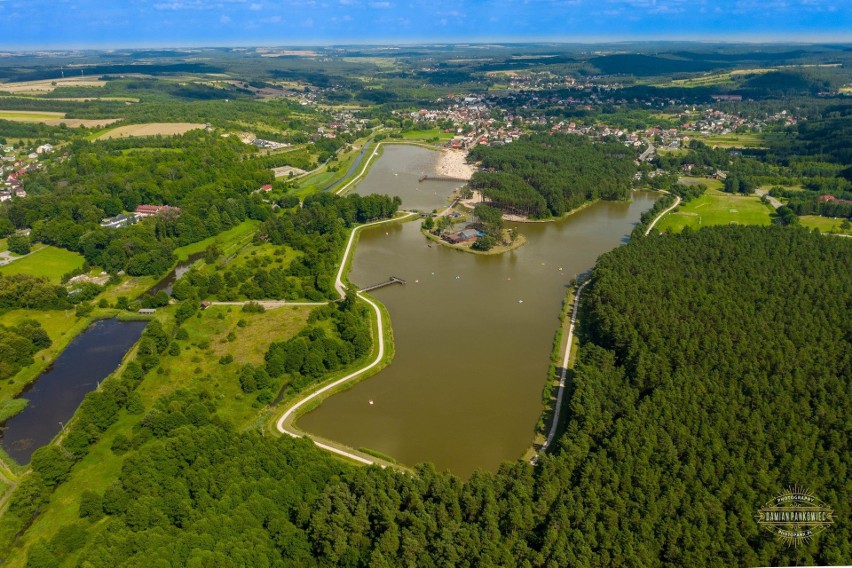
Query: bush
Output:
(253,308)
(226,359)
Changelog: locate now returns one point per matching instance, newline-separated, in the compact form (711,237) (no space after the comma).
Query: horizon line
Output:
(751,39)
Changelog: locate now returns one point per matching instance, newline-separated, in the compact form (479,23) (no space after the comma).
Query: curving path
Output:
(564,373)
(660,216)
(285,423)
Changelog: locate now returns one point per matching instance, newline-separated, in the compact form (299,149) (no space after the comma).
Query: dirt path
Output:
(660,216)
(558,408)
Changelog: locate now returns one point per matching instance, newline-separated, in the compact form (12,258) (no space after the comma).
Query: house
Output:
(266,187)
(464,236)
(147,311)
(44,149)
(121,220)
(148,210)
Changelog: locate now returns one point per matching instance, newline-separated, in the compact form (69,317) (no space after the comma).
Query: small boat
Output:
(371,401)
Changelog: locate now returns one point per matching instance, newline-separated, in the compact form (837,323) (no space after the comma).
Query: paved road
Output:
(648,152)
(660,216)
(772,201)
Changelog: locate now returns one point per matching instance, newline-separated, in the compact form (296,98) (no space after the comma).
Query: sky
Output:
(29,24)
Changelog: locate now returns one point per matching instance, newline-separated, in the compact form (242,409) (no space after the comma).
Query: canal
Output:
(56,394)
(473,334)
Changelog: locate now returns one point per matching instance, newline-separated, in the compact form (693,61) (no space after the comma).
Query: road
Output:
(644,156)
(772,201)
(660,216)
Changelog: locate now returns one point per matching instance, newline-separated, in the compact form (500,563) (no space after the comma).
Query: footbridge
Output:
(388,282)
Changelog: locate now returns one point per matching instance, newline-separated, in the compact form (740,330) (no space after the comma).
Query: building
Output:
(121,220)
(148,210)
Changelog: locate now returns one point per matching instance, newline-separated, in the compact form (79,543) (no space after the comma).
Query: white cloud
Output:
(380,5)
(225,19)
(256,7)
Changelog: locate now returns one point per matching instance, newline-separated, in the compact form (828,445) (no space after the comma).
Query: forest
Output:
(548,175)
(727,349)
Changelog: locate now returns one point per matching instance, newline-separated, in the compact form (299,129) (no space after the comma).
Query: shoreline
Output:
(477,199)
(286,423)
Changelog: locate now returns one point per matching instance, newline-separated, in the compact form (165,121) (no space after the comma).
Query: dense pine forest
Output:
(713,374)
(541,175)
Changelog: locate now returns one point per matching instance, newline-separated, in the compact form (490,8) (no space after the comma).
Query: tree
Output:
(18,244)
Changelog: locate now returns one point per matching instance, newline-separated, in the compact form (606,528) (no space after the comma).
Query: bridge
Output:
(388,282)
(425,177)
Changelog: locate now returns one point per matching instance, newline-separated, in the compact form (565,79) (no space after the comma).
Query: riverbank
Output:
(520,240)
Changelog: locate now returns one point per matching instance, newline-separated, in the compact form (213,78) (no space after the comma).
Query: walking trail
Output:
(285,423)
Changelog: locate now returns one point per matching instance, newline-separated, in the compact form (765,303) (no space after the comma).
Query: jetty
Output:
(426,177)
(391,280)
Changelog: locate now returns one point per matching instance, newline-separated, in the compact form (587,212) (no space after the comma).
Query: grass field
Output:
(427,135)
(710,183)
(717,208)
(152,129)
(3,245)
(47,261)
(824,224)
(229,241)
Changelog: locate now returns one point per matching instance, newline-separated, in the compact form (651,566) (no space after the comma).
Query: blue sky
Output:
(131,23)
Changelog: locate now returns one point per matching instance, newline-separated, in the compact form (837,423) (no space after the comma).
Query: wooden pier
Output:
(440,178)
(388,282)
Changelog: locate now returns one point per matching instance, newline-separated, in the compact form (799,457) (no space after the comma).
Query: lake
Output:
(56,394)
(473,334)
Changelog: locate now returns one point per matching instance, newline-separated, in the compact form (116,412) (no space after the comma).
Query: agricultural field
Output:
(717,208)
(151,129)
(47,261)
(749,140)
(48,85)
(30,116)
(54,118)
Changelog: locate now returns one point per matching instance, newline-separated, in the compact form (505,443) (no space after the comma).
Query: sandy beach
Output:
(452,164)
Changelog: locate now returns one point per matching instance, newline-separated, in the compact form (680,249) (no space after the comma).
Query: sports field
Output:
(50,262)
(717,208)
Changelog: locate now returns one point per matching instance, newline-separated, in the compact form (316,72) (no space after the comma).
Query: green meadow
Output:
(50,262)
(717,208)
